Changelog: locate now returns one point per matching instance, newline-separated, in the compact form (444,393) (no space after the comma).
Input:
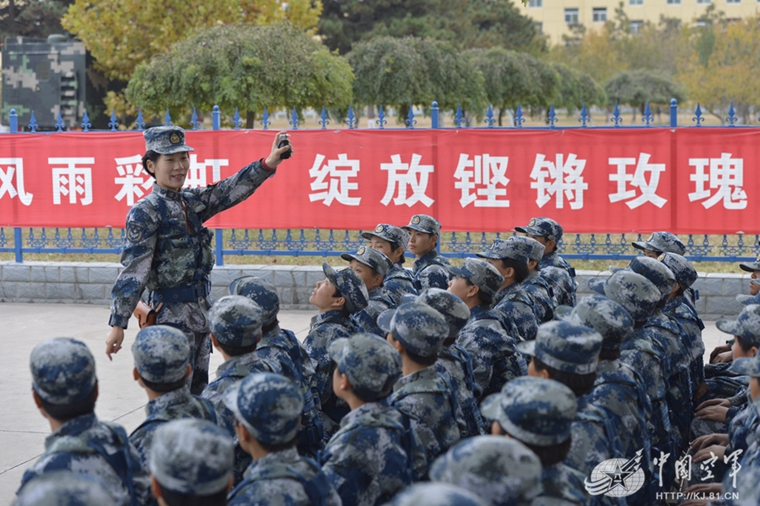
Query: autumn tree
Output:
(577,88)
(639,87)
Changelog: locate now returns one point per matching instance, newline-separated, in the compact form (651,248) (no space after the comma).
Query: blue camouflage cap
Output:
(63,371)
(350,285)
(751,266)
(424,223)
(454,310)
(607,317)
(260,291)
(746,325)
(536,411)
(436,494)
(372,258)
(235,321)
(661,242)
(746,366)
(372,365)
(165,140)
(161,354)
(419,327)
(390,233)
(64,488)
(497,469)
(481,274)
(565,346)
(535,248)
(634,292)
(268,405)
(681,268)
(746,300)
(192,456)
(543,227)
(501,249)
(656,272)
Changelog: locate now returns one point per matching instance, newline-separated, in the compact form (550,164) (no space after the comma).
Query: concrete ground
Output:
(23,326)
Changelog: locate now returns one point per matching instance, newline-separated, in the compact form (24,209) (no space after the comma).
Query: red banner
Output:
(695,180)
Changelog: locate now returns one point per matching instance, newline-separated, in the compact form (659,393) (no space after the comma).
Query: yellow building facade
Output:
(555,17)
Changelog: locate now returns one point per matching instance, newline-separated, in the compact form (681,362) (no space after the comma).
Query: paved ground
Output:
(23,326)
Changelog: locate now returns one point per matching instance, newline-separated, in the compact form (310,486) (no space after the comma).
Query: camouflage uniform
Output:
(64,488)
(268,406)
(563,286)
(398,281)
(430,270)
(425,395)
(372,456)
(161,355)
(661,242)
(551,230)
(63,373)
(192,457)
(379,300)
(168,250)
(538,288)
(500,471)
(326,328)
(436,494)
(540,412)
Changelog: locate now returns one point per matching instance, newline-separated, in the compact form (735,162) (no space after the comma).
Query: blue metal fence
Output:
(723,248)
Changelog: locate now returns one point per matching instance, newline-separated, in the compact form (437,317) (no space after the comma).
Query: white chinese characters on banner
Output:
(726,174)
(71,179)
(332,181)
(647,187)
(197,175)
(402,176)
(482,176)
(132,179)
(10,167)
(561,178)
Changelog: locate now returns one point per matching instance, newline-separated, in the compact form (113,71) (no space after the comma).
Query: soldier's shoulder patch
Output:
(136,232)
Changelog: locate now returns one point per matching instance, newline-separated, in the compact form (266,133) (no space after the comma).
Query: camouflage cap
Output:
(372,258)
(535,411)
(746,325)
(64,488)
(656,272)
(543,227)
(350,285)
(661,242)
(535,248)
(454,310)
(372,365)
(497,469)
(681,268)
(192,456)
(260,291)
(746,366)
(390,233)
(751,266)
(607,317)
(634,292)
(436,494)
(235,321)
(161,354)
(501,249)
(565,346)
(165,140)
(419,327)
(481,274)
(424,223)
(63,371)
(748,299)
(268,405)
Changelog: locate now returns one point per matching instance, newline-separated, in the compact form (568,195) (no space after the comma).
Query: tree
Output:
(242,66)
(577,88)
(411,71)
(121,34)
(31,18)
(639,87)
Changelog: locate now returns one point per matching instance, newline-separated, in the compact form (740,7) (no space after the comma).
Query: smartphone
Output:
(285,142)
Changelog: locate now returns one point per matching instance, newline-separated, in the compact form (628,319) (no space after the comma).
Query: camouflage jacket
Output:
(431,271)
(554,260)
(564,483)
(399,282)
(563,286)
(541,292)
(680,310)
(592,436)
(166,245)
(455,364)
(101,450)
(517,307)
(379,301)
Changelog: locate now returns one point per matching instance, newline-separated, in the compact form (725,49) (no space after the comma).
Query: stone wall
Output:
(90,283)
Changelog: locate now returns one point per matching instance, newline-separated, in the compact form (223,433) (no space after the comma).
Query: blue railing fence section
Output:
(726,248)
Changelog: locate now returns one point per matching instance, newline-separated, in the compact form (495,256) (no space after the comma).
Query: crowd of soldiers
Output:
(481,384)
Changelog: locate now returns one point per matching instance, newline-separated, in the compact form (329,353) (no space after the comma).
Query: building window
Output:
(539,27)
(733,1)
(635,2)
(677,2)
(535,3)
(600,14)
(571,16)
(635,26)
(703,1)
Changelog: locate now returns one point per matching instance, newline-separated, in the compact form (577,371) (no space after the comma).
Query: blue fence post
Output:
(673,113)
(13,122)
(218,233)
(434,115)
(18,241)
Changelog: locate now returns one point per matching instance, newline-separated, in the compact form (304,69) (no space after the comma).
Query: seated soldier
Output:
(337,297)
(431,270)
(537,286)
(64,488)
(267,410)
(371,266)
(659,243)
(65,388)
(374,454)
(485,336)
(391,241)
(162,367)
(501,471)
(191,464)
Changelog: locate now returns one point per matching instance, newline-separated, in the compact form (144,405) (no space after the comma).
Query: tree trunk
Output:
(250,119)
(501,115)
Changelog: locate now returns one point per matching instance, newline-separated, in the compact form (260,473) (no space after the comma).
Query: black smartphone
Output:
(285,142)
